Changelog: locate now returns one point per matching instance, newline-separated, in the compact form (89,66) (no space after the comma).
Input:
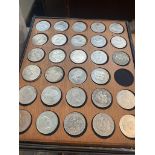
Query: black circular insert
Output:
(124,77)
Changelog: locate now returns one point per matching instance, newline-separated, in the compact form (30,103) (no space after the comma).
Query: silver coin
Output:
(100,76)
(54,74)
(61,26)
(31,73)
(39,39)
(101,98)
(116,28)
(75,124)
(78,40)
(57,55)
(103,125)
(47,122)
(98,27)
(118,42)
(59,39)
(27,95)
(76,97)
(120,58)
(79,27)
(77,75)
(99,57)
(36,54)
(78,56)
(51,95)
(43,25)
(98,41)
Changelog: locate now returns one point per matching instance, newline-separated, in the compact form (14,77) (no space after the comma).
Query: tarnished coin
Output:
(51,95)
(39,39)
(103,125)
(100,76)
(75,124)
(99,57)
(76,97)
(116,28)
(36,54)
(43,25)
(27,95)
(101,98)
(126,99)
(98,41)
(77,75)
(78,40)
(127,126)
(54,74)
(78,56)
(61,26)
(120,58)
(47,122)
(59,39)
(79,27)
(57,55)
(31,73)
(118,42)
(24,120)
(98,27)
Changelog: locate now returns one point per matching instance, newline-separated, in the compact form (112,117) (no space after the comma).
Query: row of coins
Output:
(75,124)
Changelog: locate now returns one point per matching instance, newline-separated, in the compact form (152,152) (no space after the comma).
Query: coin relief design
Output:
(61,26)
(43,26)
(116,28)
(98,27)
(59,39)
(78,40)
(118,42)
(98,41)
(79,27)
(39,39)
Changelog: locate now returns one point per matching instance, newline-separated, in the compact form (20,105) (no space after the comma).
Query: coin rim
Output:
(101,23)
(41,21)
(119,24)
(79,35)
(41,44)
(119,47)
(61,34)
(61,21)
(97,46)
(80,31)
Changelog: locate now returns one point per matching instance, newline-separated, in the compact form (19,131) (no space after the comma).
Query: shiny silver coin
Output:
(79,27)
(57,55)
(31,73)
(51,95)
(54,74)
(27,95)
(59,39)
(43,25)
(98,27)
(77,75)
(120,58)
(39,39)
(99,57)
(75,124)
(98,41)
(61,26)
(78,56)
(100,76)
(47,122)
(101,98)
(118,42)
(76,97)
(116,28)
(36,54)
(78,40)
(103,125)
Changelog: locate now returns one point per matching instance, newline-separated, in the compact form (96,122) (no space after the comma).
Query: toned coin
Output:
(100,76)
(79,27)
(39,39)
(98,27)
(76,97)
(127,126)
(27,95)
(77,75)
(99,57)
(116,28)
(126,99)
(78,40)
(51,95)
(101,98)
(78,56)
(61,26)
(43,25)
(31,73)
(118,42)
(57,55)
(24,120)
(98,41)
(75,124)
(54,74)
(59,39)
(47,122)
